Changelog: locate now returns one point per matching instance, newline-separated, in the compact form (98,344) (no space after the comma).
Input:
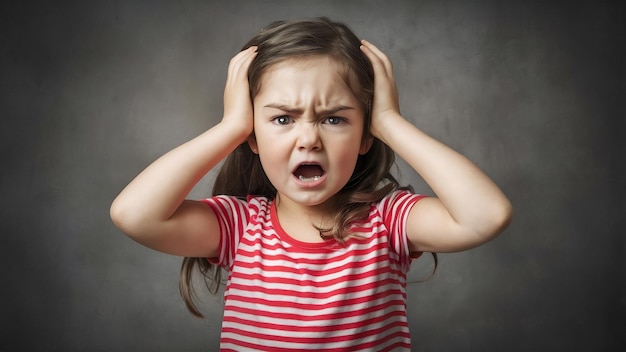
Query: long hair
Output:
(242,174)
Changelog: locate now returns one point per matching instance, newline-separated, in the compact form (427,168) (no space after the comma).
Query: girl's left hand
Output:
(469,208)
(386,99)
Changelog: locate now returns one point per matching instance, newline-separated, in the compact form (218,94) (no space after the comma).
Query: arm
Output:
(152,209)
(469,209)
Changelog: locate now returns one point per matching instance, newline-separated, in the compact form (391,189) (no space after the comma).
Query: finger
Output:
(242,55)
(240,62)
(379,55)
(247,59)
(238,72)
(380,72)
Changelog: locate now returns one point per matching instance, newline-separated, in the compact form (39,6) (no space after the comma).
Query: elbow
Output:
(118,214)
(507,214)
(124,218)
(493,223)
(501,218)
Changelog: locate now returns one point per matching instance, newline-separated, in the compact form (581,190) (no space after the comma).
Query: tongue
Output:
(309,171)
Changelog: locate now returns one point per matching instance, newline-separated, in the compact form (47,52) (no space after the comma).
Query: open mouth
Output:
(309,172)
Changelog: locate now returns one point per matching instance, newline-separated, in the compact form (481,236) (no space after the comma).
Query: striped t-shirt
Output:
(286,295)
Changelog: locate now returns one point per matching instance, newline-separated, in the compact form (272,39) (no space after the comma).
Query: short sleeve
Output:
(232,216)
(394,210)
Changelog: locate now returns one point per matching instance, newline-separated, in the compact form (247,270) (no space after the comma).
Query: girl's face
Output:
(308,129)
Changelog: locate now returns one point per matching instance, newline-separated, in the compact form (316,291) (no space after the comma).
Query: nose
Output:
(309,137)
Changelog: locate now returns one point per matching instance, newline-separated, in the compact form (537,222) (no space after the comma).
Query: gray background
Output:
(533,92)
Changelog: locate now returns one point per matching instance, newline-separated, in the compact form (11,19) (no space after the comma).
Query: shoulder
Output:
(248,206)
(258,203)
(397,202)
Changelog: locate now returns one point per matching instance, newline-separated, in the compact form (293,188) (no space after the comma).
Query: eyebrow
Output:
(298,111)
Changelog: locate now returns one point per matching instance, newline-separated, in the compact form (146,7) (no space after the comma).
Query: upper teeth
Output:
(314,178)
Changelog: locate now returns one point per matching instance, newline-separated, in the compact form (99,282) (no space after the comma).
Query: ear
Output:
(252,143)
(366,144)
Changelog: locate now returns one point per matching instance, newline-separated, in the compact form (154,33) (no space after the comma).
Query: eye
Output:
(335,120)
(282,120)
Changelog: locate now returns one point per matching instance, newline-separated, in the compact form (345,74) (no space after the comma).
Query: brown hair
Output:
(242,174)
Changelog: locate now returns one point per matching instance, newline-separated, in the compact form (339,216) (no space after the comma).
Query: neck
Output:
(318,216)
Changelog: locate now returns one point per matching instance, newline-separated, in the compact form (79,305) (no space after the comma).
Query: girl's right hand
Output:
(152,208)
(386,104)
(237,103)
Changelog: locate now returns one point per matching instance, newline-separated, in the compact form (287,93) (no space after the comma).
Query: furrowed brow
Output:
(285,108)
(335,110)
(324,112)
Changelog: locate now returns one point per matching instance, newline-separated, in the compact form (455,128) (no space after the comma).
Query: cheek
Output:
(262,134)
(272,160)
(348,156)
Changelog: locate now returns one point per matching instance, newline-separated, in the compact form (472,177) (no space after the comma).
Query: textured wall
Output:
(92,92)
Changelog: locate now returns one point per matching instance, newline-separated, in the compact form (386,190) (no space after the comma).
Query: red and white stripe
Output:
(286,295)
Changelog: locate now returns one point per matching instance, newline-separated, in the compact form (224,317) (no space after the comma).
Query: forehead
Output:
(318,77)
(306,63)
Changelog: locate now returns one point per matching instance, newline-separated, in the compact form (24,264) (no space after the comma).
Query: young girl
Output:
(313,230)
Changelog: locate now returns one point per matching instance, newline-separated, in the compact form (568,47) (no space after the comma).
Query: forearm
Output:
(469,209)
(157,192)
(472,199)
